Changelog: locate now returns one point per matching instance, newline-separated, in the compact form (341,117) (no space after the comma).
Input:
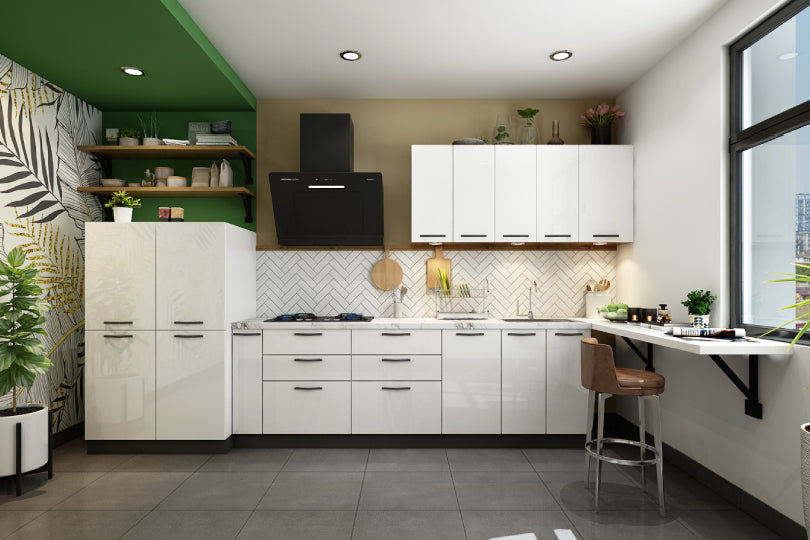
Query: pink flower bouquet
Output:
(602,115)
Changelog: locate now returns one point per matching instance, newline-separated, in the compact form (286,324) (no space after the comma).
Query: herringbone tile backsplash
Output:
(330,282)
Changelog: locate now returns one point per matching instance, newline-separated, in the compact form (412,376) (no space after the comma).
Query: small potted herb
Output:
(122,205)
(699,303)
(151,130)
(129,137)
(528,133)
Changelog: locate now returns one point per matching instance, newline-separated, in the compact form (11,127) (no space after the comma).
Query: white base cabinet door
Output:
(120,379)
(193,390)
(396,407)
(567,400)
(431,193)
(471,381)
(247,382)
(307,407)
(524,381)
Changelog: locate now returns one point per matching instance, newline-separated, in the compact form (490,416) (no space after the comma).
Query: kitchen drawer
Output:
(396,342)
(396,367)
(307,341)
(307,407)
(397,407)
(307,367)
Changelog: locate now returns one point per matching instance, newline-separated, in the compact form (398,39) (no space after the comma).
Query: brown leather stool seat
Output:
(637,382)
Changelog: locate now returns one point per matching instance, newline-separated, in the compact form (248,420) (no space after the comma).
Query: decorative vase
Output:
(699,321)
(225,174)
(129,141)
(214,175)
(555,133)
(503,130)
(34,431)
(152,141)
(528,132)
(805,441)
(122,214)
(600,134)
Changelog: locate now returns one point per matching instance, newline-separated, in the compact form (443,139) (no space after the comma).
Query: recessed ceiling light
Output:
(559,56)
(351,56)
(788,55)
(132,70)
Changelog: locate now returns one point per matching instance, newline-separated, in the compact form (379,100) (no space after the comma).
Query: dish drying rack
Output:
(461,302)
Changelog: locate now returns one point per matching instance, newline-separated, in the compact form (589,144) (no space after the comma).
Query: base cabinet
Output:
(396,407)
(566,400)
(306,407)
(523,362)
(247,382)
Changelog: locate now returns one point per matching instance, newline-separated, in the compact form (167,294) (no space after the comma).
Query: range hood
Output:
(327,203)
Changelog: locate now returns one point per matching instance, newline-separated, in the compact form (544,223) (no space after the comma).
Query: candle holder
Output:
(649,315)
(634,315)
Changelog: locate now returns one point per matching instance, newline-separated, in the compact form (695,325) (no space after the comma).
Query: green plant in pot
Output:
(129,137)
(151,130)
(699,304)
(527,133)
(122,204)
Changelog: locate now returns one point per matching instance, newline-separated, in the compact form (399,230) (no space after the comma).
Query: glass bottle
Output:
(503,130)
(555,133)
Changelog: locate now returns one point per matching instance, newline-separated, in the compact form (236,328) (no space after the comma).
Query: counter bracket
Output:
(247,202)
(648,359)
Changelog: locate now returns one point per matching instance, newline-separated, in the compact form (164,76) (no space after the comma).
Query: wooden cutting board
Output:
(386,274)
(433,266)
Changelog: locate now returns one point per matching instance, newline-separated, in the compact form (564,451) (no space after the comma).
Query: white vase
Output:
(699,321)
(805,442)
(122,214)
(225,174)
(152,141)
(34,440)
(129,141)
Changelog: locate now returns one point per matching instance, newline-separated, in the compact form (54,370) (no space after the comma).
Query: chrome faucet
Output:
(530,313)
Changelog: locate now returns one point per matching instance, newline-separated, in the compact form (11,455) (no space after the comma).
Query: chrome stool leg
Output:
(588,435)
(599,436)
(642,433)
(659,464)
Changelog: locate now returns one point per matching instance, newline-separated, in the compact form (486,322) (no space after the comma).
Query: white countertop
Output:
(415,324)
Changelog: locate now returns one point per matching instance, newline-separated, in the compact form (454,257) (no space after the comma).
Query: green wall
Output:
(174,125)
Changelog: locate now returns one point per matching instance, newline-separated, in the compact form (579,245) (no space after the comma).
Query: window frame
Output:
(741,140)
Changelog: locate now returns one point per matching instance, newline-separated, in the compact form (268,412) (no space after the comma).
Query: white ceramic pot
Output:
(152,141)
(699,321)
(34,440)
(122,215)
(805,438)
(129,141)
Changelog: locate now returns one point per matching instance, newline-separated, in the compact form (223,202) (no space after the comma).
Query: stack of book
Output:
(176,142)
(215,139)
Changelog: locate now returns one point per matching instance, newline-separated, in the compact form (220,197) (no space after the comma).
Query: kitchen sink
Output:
(536,320)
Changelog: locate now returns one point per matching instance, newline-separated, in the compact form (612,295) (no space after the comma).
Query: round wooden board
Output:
(386,274)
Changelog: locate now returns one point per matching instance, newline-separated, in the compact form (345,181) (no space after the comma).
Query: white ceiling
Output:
(444,48)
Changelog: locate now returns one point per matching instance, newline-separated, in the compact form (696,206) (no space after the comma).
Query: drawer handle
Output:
(557,235)
(473,235)
(393,334)
(395,388)
(567,333)
(118,336)
(469,333)
(606,236)
(309,387)
(189,322)
(189,336)
(308,334)
(521,333)
(117,322)
(395,359)
(251,334)
(307,359)
(515,235)
(432,235)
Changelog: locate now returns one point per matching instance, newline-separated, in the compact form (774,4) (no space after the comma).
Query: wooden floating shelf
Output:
(169,152)
(190,192)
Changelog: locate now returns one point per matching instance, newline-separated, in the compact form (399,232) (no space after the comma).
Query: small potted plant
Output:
(122,205)
(600,119)
(151,130)
(129,137)
(699,303)
(21,360)
(528,133)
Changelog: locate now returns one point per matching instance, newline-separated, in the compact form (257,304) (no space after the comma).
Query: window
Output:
(770,169)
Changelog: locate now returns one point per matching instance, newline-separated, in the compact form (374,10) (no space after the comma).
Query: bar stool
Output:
(602,378)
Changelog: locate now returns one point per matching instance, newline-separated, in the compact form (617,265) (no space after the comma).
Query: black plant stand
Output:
(18,447)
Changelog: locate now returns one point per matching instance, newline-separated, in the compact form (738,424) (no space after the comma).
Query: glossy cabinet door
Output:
(431,193)
(119,268)
(193,400)
(523,360)
(396,407)
(120,381)
(515,193)
(247,381)
(566,399)
(558,193)
(606,193)
(474,193)
(190,276)
(471,381)
(307,407)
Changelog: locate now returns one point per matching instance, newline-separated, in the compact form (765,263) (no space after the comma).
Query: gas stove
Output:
(311,317)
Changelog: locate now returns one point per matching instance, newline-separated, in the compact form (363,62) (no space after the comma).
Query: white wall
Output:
(677,121)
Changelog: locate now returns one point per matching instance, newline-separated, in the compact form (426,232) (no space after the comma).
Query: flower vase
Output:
(528,132)
(555,133)
(600,134)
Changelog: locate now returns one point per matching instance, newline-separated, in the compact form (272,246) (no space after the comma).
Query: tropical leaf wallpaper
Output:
(41,211)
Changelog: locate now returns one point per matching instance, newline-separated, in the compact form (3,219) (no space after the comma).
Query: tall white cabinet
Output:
(166,373)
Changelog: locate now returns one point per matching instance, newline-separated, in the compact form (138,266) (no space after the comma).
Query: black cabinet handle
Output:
(469,333)
(118,336)
(395,359)
(189,322)
(309,387)
(395,388)
(189,336)
(251,334)
(515,235)
(567,333)
(395,334)
(473,235)
(432,235)
(557,235)
(305,334)
(307,359)
(521,333)
(606,236)
(117,322)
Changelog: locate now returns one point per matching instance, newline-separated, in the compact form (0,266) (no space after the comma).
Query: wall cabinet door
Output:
(471,381)
(558,193)
(119,270)
(396,407)
(523,362)
(247,381)
(120,379)
(606,193)
(431,193)
(190,276)
(307,407)
(192,376)
(515,193)
(566,399)
(474,193)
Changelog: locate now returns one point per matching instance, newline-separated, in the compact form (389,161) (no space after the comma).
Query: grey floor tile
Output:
(327,459)
(618,492)
(72,525)
(163,463)
(680,490)
(408,525)
(487,459)
(508,490)
(626,524)
(407,459)
(408,491)
(39,493)
(184,524)
(125,491)
(298,525)
(313,491)
(559,459)
(248,459)
(11,520)
(73,457)
(220,491)
(486,524)
(724,525)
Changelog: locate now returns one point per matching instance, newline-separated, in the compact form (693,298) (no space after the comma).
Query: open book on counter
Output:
(714,333)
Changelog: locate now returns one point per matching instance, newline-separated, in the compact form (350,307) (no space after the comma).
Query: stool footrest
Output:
(617,461)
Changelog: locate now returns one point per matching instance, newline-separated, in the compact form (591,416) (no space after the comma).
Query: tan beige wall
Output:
(384,131)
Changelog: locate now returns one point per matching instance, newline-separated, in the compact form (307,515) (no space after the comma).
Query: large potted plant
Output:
(22,358)
(600,120)
(699,303)
(122,205)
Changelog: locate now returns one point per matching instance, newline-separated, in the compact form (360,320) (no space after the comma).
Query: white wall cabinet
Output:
(247,381)
(566,399)
(515,193)
(558,193)
(473,193)
(523,363)
(606,193)
(431,193)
